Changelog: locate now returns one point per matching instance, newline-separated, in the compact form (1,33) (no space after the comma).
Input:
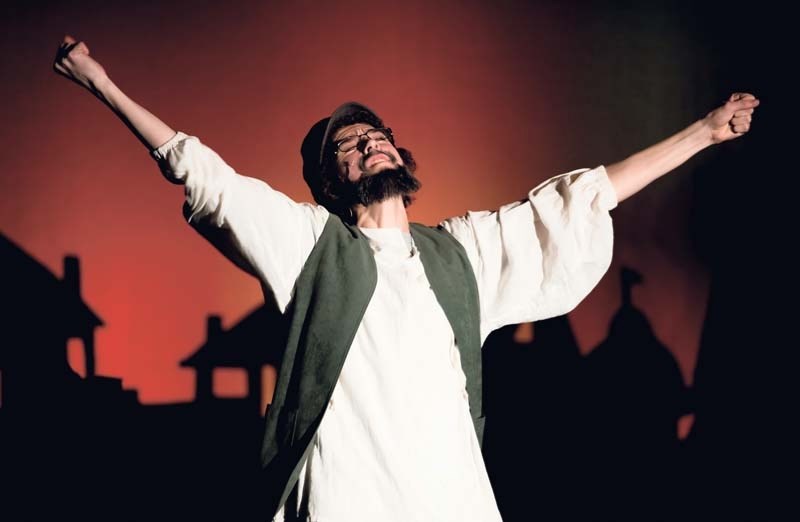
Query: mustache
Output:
(362,163)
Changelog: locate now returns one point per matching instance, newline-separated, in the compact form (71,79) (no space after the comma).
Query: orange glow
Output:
(76,356)
(269,375)
(488,116)
(685,423)
(230,383)
(524,333)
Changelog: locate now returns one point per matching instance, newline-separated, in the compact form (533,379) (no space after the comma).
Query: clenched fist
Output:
(73,61)
(732,119)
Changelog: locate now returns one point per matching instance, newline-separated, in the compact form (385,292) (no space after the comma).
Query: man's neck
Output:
(390,213)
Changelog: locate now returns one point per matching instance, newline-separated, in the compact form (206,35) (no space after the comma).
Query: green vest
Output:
(331,296)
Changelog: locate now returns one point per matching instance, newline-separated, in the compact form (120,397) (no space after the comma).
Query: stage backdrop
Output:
(492,98)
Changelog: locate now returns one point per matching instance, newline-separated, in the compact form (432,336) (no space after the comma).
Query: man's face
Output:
(369,157)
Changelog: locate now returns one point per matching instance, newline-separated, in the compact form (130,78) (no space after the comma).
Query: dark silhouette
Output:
(743,444)
(635,394)
(41,313)
(255,341)
(533,422)
(83,448)
(567,438)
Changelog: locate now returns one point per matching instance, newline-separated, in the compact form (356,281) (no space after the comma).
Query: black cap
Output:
(317,149)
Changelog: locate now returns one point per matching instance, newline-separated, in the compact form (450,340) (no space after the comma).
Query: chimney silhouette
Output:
(204,378)
(213,327)
(72,274)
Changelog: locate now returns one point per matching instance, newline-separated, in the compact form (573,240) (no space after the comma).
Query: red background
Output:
(492,99)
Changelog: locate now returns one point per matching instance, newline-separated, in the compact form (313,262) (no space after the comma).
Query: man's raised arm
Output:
(259,229)
(727,122)
(73,61)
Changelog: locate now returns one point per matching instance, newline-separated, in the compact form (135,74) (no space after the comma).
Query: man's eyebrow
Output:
(353,135)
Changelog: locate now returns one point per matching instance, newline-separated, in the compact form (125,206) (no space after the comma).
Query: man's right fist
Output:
(73,61)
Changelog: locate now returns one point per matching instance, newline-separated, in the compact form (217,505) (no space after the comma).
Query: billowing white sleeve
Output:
(540,257)
(258,228)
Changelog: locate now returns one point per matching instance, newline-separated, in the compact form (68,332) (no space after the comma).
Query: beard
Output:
(388,183)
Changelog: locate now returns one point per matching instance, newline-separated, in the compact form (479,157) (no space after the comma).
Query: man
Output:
(377,413)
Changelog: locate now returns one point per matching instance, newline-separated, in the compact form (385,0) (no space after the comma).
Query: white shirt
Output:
(397,441)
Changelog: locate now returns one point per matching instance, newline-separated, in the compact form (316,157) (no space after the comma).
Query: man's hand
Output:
(732,119)
(724,123)
(73,61)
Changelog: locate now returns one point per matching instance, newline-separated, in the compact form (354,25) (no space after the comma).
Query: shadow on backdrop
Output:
(595,438)
(567,438)
(78,447)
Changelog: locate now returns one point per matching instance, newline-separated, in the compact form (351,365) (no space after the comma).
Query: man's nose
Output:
(366,144)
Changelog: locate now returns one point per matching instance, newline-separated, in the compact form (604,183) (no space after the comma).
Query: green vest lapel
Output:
(453,282)
(331,296)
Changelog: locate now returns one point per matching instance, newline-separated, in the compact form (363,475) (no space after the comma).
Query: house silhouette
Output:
(255,341)
(41,313)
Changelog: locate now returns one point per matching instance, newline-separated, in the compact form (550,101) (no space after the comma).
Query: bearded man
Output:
(377,412)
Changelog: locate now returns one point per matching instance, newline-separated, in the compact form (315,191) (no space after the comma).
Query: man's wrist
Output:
(100,86)
(107,91)
(702,134)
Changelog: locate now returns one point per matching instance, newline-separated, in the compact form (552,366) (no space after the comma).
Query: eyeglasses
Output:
(351,142)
